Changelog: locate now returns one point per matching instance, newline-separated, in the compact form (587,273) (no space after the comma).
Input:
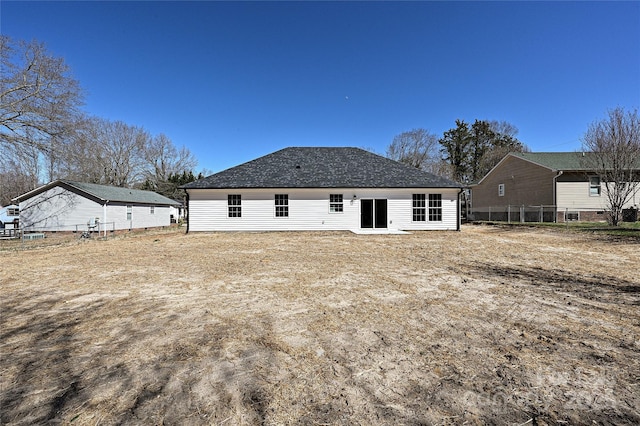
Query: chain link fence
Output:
(32,233)
(546,213)
(512,213)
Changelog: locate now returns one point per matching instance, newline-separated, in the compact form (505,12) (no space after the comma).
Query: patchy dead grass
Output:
(488,325)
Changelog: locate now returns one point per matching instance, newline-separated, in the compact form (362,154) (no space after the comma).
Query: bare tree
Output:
(19,171)
(15,179)
(614,154)
(124,153)
(82,152)
(38,98)
(162,161)
(106,152)
(417,148)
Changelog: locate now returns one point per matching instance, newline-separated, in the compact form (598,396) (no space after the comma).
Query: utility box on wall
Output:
(630,215)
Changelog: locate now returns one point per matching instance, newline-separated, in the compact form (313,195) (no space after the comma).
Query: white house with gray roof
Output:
(323,189)
(75,206)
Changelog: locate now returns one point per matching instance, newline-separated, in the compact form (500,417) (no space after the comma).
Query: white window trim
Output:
(599,186)
(341,203)
(501,190)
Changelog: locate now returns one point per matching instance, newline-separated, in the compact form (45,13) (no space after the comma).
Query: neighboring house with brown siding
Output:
(548,186)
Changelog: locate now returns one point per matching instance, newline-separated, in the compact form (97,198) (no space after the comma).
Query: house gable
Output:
(515,181)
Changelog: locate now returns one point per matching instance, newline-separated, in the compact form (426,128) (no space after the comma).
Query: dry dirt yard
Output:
(485,326)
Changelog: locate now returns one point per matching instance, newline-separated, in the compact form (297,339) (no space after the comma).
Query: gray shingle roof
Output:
(107,193)
(322,168)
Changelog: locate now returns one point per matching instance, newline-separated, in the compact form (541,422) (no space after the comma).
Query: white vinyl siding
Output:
(308,209)
(576,196)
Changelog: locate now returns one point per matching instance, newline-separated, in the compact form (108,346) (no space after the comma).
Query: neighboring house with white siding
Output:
(322,189)
(75,206)
(557,182)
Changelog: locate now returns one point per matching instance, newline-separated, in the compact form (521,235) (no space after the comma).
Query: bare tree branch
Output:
(38,99)
(614,154)
(417,148)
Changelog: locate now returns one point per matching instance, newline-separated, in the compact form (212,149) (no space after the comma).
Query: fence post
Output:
(522,214)
(509,213)
(541,213)
(489,213)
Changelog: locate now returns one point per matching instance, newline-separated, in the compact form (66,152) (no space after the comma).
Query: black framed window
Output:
(435,207)
(282,205)
(336,204)
(234,204)
(419,208)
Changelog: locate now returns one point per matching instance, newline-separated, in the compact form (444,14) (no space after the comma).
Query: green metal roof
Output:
(567,161)
(106,193)
(124,195)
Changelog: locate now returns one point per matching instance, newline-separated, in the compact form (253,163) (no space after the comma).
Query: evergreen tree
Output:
(455,147)
(472,151)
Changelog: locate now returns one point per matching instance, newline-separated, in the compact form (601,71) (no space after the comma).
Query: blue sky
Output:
(233,81)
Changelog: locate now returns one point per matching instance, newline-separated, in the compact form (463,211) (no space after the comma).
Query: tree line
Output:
(45,135)
(464,153)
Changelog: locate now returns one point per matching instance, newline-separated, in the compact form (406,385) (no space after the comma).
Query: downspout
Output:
(188,218)
(104,217)
(458,211)
(555,188)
